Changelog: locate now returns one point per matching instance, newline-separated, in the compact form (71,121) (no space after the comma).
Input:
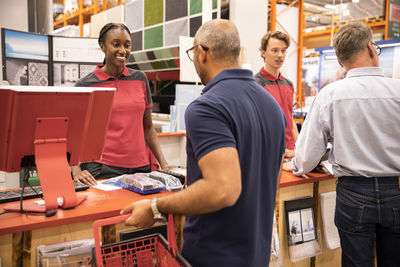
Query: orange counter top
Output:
(99,204)
(171,134)
(102,204)
(288,179)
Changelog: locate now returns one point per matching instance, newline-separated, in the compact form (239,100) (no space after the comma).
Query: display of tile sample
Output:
(145,66)
(38,74)
(153,12)
(137,41)
(195,24)
(156,31)
(116,14)
(153,37)
(97,22)
(163,53)
(175,9)
(141,56)
(175,29)
(158,59)
(153,25)
(159,65)
(150,55)
(195,6)
(174,51)
(65,74)
(134,15)
(171,64)
(85,70)
(17,71)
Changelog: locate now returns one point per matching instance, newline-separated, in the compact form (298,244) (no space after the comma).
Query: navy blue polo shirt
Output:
(234,111)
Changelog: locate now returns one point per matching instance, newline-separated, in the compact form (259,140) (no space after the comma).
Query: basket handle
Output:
(171,234)
(96,225)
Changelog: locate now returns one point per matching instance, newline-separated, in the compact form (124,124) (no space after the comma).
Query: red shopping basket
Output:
(147,251)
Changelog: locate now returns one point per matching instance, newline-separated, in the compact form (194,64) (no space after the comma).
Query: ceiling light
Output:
(330,6)
(355,1)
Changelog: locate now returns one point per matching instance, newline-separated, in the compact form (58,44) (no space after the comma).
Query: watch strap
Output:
(157,215)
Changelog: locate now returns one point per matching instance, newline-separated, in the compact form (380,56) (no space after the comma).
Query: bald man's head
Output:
(222,39)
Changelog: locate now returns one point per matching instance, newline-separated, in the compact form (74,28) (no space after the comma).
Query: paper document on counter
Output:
(327,166)
(105,187)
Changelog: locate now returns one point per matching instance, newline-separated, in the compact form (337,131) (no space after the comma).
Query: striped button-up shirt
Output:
(361,115)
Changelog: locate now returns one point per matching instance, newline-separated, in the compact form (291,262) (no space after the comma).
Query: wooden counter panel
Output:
(5,250)
(327,257)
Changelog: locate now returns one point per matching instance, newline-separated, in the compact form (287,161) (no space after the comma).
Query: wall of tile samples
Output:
(155,40)
(155,29)
(41,60)
(74,58)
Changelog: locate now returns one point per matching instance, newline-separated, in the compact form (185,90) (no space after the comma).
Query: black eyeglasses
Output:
(189,52)
(378,48)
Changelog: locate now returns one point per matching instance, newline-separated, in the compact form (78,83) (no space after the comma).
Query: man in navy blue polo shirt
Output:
(235,142)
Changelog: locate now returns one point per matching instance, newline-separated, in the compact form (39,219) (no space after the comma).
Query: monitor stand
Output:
(52,166)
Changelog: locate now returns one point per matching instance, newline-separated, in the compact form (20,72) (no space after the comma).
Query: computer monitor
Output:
(49,122)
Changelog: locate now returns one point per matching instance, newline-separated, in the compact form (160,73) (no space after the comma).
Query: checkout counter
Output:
(75,224)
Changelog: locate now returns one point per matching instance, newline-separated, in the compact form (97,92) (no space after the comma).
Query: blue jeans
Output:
(368,211)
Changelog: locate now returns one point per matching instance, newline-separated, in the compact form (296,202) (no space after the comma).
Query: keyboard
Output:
(15,194)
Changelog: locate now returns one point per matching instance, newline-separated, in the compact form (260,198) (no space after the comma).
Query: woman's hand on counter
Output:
(84,177)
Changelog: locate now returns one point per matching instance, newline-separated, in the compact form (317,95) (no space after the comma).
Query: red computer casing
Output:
(48,122)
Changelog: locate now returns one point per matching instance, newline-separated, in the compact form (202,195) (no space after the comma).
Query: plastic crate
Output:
(147,251)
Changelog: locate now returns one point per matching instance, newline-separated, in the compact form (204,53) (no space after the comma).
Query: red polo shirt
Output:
(282,90)
(125,144)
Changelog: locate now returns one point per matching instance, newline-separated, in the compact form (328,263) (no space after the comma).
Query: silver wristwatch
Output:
(157,216)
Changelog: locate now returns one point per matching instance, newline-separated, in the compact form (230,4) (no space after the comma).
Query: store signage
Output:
(394,19)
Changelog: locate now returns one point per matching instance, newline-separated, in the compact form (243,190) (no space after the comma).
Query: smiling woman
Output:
(115,42)
(130,128)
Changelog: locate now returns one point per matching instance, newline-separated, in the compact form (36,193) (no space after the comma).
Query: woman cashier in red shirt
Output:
(130,127)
